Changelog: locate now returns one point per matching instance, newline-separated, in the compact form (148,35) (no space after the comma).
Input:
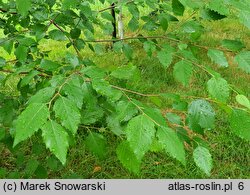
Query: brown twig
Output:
(154,37)
(113,6)
(6,11)
(127,38)
(24,73)
(134,92)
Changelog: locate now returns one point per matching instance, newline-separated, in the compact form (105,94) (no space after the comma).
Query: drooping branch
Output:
(182,95)
(156,37)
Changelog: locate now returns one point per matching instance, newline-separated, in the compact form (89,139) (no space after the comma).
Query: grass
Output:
(231,155)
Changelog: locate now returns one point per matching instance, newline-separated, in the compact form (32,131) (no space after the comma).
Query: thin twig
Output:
(127,38)
(139,108)
(134,92)
(196,64)
(6,11)
(24,73)
(159,95)
(113,6)
(155,37)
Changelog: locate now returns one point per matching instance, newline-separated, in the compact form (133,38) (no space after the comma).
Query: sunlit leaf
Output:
(203,159)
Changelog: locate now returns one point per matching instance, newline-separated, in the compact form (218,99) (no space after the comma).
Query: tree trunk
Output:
(120,22)
(114,34)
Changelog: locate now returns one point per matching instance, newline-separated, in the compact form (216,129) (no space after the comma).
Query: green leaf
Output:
(2,62)
(41,172)
(183,135)
(243,60)
(140,132)
(149,47)
(99,49)
(28,78)
(91,115)
(67,4)
(7,45)
(104,88)
(107,16)
(56,139)
(240,123)
(170,96)
(96,143)
(218,57)
(173,118)
(74,91)
(72,59)
(7,111)
(118,46)
(209,14)
(94,72)
(125,111)
(193,3)
(114,125)
(218,89)
(128,51)
(178,8)
(155,115)
(133,24)
(49,65)
(156,146)
(127,157)
(244,16)
(23,7)
(68,113)
(2,133)
(183,71)
(171,143)
(163,19)
(165,57)
(243,100)
(41,16)
(57,35)
(219,6)
(29,121)
(128,72)
(233,45)
(89,95)
(52,163)
(42,96)
(186,54)
(31,167)
(199,141)
(75,33)
(86,9)
(80,44)
(203,159)
(192,27)
(21,53)
(133,9)
(201,114)
(180,105)
(26,41)
(39,30)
